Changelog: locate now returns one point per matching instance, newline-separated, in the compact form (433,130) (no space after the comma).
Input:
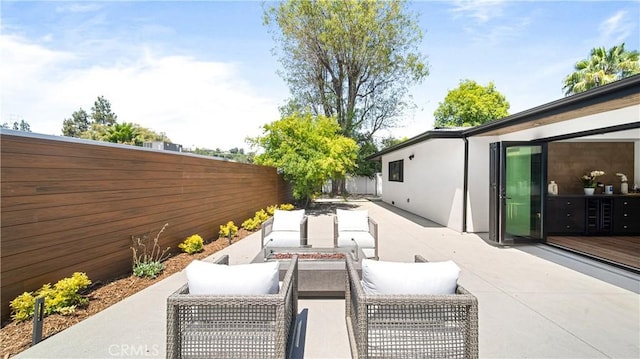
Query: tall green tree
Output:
(101,112)
(308,150)
(391,141)
(77,124)
(365,167)
(102,125)
(602,67)
(18,126)
(352,60)
(471,104)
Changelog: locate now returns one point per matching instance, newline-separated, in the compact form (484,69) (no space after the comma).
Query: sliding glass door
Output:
(517,188)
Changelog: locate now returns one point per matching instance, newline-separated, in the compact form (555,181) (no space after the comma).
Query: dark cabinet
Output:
(626,215)
(599,216)
(593,215)
(565,215)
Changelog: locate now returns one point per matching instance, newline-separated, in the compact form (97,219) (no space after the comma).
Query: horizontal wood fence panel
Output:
(24,214)
(71,205)
(45,200)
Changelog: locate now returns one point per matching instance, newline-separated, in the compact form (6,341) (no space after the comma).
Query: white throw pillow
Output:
(219,279)
(287,220)
(352,220)
(436,278)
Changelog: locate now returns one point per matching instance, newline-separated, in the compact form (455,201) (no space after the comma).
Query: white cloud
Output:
(486,23)
(196,103)
(480,10)
(78,7)
(615,29)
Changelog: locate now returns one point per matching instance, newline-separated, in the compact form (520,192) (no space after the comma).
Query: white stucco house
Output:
(493,178)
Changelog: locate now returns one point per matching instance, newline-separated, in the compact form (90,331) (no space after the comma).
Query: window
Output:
(396,171)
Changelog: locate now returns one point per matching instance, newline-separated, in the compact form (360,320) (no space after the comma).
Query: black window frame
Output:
(396,171)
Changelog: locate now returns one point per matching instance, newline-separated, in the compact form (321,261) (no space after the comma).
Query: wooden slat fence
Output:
(72,205)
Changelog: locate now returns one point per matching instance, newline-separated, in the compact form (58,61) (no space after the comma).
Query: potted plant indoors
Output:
(589,182)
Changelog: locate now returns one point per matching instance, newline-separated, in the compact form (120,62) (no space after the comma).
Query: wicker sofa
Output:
(233,326)
(356,228)
(410,326)
(285,229)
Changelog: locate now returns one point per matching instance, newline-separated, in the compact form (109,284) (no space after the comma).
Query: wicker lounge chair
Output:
(356,228)
(410,326)
(232,326)
(285,229)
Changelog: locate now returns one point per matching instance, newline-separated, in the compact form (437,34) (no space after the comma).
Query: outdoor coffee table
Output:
(321,271)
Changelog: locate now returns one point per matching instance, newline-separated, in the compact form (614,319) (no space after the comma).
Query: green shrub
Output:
(192,244)
(260,216)
(64,295)
(287,207)
(149,269)
(22,306)
(271,210)
(62,298)
(228,230)
(148,263)
(255,222)
(250,224)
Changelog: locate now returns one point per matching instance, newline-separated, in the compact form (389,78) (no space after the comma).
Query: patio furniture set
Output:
(392,309)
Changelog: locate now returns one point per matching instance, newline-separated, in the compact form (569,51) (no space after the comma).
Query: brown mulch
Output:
(16,337)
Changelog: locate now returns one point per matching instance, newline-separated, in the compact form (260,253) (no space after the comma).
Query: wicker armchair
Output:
(410,326)
(228,326)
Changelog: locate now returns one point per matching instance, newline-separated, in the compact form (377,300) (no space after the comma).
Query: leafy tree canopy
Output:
(233,154)
(471,104)
(18,126)
(102,125)
(101,112)
(308,150)
(352,60)
(364,167)
(602,67)
(391,141)
(77,124)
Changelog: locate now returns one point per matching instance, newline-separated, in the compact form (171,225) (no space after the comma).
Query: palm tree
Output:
(123,133)
(602,68)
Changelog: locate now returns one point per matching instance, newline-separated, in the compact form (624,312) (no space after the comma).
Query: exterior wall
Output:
(72,205)
(433,181)
(478,190)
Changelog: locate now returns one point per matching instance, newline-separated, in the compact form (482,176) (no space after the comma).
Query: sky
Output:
(204,73)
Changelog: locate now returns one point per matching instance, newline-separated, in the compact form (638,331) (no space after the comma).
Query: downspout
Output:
(465,184)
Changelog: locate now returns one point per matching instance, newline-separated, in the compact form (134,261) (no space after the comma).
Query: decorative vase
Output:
(624,188)
(553,188)
(589,191)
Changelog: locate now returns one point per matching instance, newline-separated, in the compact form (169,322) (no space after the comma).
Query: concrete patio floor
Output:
(534,301)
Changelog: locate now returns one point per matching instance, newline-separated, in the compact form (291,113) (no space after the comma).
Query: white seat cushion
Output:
(364,239)
(352,220)
(369,252)
(436,278)
(282,239)
(287,220)
(219,279)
